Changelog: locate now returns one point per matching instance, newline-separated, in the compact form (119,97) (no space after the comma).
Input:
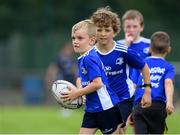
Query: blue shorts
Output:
(125,108)
(107,121)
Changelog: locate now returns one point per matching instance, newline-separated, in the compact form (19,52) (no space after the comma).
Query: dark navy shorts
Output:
(150,120)
(125,108)
(107,121)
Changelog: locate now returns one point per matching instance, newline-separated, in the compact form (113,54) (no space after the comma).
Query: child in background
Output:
(152,120)
(62,68)
(133,25)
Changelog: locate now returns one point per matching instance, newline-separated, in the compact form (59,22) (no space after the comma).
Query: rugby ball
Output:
(61,86)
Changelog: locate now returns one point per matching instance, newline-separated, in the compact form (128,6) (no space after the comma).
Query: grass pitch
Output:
(51,120)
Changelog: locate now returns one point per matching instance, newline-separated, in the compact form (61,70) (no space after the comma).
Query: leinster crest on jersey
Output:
(119,61)
(84,71)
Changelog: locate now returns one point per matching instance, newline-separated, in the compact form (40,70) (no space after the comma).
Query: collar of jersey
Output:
(108,51)
(156,57)
(85,54)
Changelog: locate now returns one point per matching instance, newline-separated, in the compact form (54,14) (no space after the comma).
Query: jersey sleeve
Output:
(93,67)
(170,72)
(135,75)
(134,60)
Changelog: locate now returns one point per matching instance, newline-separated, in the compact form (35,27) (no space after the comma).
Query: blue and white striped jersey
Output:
(89,68)
(117,62)
(141,47)
(160,70)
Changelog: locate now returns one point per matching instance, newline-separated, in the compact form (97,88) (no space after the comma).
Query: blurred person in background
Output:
(62,68)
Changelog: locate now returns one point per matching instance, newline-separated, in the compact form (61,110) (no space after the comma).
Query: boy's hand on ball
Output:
(70,95)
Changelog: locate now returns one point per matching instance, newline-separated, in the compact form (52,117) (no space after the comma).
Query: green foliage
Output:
(46,25)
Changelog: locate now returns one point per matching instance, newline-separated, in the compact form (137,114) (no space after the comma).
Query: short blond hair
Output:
(104,17)
(133,14)
(91,28)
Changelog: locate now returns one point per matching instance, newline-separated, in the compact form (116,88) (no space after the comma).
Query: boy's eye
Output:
(79,37)
(99,30)
(107,30)
(72,38)
(135,26)
(128,26)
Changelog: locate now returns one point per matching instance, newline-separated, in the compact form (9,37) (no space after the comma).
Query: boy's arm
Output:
(146,99)
(78,83)
(169,90)
(93,86)
(75,92)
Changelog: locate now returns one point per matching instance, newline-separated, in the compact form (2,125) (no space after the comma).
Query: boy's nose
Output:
(103,33)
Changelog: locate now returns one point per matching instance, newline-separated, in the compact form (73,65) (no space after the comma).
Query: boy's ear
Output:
(169,49)
(114,35)
(142,28)
(150,50)
(93,40)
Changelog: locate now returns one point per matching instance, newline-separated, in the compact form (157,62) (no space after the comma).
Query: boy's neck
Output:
(87,50)
(137,38)
(104,48)
(158,55)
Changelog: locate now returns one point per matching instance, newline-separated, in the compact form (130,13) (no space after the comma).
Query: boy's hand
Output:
(71,94)
(169,108)
(130,120)
(128,39)
(146,99)
(84,100)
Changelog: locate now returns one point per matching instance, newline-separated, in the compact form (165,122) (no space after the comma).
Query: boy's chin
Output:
(80,52)
(76,51)
(103,42)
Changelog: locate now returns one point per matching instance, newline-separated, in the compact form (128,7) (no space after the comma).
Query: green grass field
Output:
(49,120)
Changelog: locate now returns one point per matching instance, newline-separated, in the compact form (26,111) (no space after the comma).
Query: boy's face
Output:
(104,35)
(132,28)
(81,41)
